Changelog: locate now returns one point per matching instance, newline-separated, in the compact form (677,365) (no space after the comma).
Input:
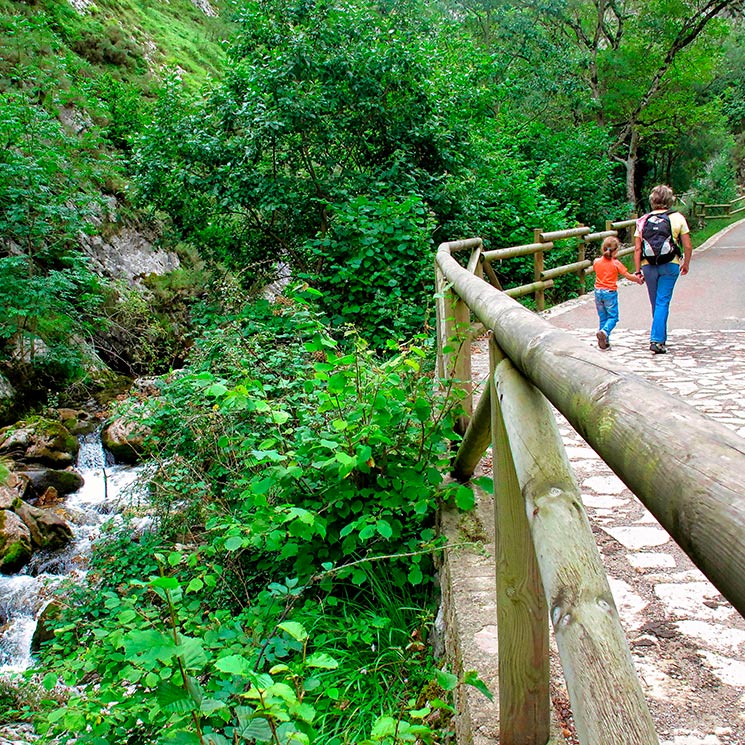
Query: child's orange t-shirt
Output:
(606,273)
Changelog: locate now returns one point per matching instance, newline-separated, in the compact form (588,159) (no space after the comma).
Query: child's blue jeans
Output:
(606,303)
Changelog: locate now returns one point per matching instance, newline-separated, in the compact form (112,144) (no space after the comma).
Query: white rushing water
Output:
(108,490)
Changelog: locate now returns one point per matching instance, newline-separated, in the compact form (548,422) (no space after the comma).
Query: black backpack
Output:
(658,245)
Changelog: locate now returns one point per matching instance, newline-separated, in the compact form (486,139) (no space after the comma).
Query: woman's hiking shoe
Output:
(602,339)
(657,348)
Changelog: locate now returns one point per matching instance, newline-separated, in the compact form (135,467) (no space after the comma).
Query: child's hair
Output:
(610,244)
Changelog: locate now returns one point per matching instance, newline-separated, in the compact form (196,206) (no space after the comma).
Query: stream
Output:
(108,490)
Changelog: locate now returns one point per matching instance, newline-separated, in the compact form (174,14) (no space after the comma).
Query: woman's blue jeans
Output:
(606,303)
(660,281)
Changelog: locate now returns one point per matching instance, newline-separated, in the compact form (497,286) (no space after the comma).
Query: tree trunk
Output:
(631,159)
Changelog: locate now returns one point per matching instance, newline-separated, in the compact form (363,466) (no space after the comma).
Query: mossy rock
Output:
(46,528)
(77,422)
(44,631)
(15,543)
(63,481)
(39,440)
(125,440)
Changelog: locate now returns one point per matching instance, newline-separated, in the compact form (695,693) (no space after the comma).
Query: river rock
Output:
(39,441)
(8,497)
(62,481)
(47,529)
(15,543)
(44,630)
(48,498)
(77,422)
(125,440)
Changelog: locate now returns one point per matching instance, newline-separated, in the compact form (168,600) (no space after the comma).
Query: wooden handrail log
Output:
(558,271)
(739,209)
(475,440)
(685,467)
(529,289)
(623,223)
(602,235)
(475,259)
(465,245)
(558,235)
(607,700)
(490,273)
(513,251)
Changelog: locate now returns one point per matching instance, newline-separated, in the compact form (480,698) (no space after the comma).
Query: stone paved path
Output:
(687,641)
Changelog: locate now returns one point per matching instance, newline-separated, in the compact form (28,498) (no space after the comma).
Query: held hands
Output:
(638,277)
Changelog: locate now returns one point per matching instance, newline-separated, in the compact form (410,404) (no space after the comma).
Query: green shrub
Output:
(374,267)
(300,485)
(330,457)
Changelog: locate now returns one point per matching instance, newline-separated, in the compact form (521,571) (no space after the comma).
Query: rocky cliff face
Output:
(129,255)
(125,252)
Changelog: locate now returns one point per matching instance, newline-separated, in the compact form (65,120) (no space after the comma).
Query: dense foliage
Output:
(301,486)
(47,293)
(341,144)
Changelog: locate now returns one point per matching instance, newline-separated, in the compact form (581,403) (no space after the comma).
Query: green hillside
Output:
(76,89)
(132,40)
(282,587)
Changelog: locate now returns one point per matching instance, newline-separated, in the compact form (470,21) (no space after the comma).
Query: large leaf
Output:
(234,664)
(174,698)
(295,630)
(255,729)
(322,660)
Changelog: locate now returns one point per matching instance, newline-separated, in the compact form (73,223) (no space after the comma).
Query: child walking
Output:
(607,268)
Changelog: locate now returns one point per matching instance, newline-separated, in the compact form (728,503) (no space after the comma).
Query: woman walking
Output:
(657,256)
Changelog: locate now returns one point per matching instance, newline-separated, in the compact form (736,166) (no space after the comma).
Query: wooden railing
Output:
(712,211)
(545,241)
(687,469)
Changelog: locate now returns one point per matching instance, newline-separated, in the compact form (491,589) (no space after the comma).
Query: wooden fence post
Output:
(607,700)
(581,251)
(538,263)
(522,613)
